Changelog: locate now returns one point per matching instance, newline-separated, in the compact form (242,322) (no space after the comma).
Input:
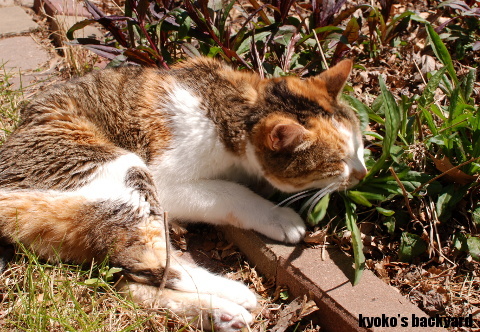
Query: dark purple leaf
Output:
(104,51)
(77,26)
(139,57)
(94,10)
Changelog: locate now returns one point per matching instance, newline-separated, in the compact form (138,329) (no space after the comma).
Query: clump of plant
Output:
(424,160)
(273,39)
(461,30)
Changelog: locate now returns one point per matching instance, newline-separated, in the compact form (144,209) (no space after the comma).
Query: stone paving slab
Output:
(15,21)
(60,7)
(22,52)
(327,280)
(7,3)
(21,56)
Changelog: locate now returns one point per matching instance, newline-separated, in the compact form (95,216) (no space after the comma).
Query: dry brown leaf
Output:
(294,312)
(317,237)
(456,175)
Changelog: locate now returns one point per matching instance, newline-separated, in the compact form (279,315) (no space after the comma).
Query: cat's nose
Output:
(359,174)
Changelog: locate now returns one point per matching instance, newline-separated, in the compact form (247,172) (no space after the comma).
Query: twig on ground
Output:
(167,242)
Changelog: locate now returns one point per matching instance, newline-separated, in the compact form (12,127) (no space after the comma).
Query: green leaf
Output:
(284,34)
(329,28)
(392,125)
(441,52)
(390,222)
(362,110)
(460,242)
(411,246)
(284,295)
(185,25)
(319,211)
(358,198)
(476,215)
(359,257)
(245,45)
(385,212)
(447,201)
(111,272)
(469,84)
(432,85)
(473,244)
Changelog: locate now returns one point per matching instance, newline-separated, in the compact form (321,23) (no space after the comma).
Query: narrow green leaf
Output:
(432,85)
(392,125)
(319,211)
(441,52)
(358,198)
(470,80)
(225,15)
(385,212)
(359,257)
(452,108)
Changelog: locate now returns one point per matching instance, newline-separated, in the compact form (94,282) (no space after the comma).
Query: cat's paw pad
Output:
(286,225)
(230,317)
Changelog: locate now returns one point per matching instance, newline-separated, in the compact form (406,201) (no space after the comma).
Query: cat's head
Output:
(304,137)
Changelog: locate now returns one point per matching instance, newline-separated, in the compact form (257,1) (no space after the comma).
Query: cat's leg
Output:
(224,202)
(225,301)
(205,311)
(118,215)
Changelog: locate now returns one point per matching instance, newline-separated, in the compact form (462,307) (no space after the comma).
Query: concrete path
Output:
(25,56)
(22,57)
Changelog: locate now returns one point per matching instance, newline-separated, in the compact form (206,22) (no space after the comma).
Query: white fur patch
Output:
(108,182)
(196,151)
(355,159)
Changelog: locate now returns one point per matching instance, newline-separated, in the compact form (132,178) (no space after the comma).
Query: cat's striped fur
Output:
(95,161)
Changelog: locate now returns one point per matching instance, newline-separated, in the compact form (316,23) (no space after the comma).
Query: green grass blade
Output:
(359,257)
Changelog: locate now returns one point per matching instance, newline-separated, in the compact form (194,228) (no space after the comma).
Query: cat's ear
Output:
(285,135)
(336,77)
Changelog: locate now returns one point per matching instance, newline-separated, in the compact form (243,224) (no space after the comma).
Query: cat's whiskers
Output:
(317,197)
(290,200)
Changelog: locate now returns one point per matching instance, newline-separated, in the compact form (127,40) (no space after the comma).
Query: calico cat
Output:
(96,161)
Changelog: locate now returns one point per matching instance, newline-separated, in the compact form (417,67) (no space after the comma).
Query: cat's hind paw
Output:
(229,317)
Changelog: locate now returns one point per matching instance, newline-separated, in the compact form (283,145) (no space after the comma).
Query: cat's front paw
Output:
(284,225)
